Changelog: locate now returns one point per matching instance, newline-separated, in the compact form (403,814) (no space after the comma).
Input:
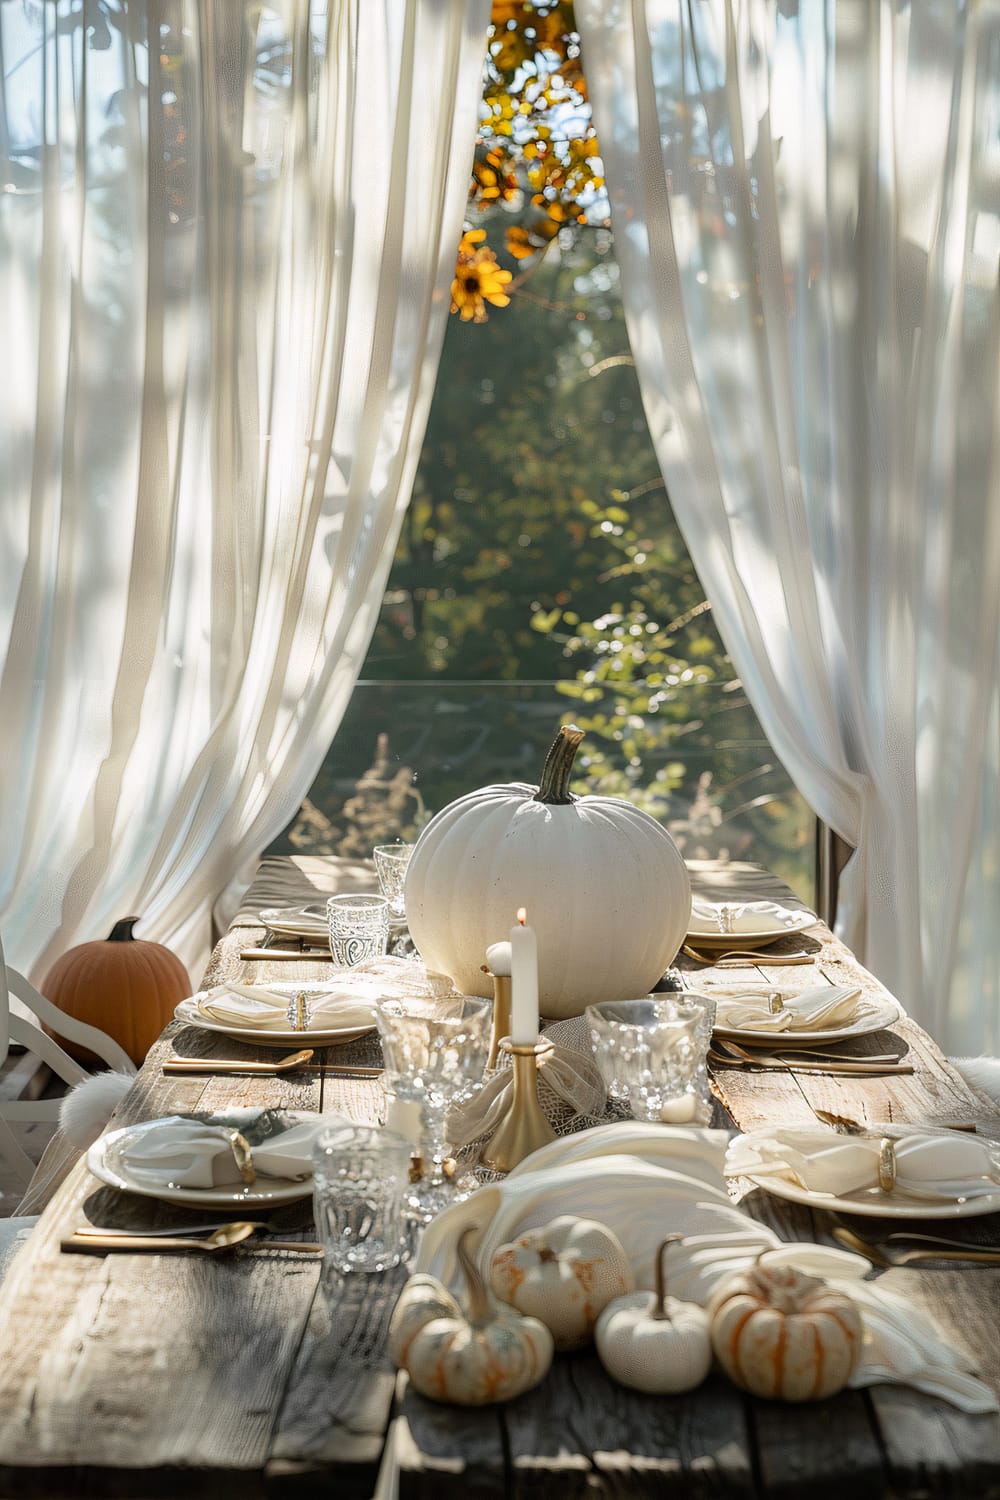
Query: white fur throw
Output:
(982,1072)
(89,1105)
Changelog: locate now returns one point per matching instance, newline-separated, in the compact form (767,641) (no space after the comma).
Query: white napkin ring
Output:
(775,1003)
(886,1165)
(243,1157)
(726,918)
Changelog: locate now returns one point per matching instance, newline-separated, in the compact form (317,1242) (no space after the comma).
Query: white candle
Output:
(498,958)
(523,983)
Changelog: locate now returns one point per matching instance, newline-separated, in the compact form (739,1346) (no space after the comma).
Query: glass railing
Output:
(702,767)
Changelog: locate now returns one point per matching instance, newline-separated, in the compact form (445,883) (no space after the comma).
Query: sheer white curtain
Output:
(805,197)
(227,234)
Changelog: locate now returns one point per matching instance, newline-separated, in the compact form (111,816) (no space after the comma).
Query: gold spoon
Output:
(226,1237)
(852,1241)
(208,1065)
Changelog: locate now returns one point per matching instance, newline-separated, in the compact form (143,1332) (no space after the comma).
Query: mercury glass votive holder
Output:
(651,1055)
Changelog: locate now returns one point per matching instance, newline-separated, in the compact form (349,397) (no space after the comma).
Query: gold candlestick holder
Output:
(501,1014)
(525,1128)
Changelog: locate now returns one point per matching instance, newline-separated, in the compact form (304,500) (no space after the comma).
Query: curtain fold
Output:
(227,238)
(806,203)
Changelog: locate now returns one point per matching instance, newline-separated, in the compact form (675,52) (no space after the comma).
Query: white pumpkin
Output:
(604,885)
(781,1334)
(564,1274)
(652,1342)
(422,1299)
(491,1353)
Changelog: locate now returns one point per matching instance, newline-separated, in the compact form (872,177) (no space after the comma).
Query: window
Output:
(540,577)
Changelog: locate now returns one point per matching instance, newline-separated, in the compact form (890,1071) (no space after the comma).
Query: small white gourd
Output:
(652,1342)
(781,1334)
(564,1274)
(422,1299)
(489,1353)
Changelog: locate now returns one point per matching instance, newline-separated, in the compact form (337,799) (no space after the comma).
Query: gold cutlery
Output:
(878,1257)
(746,958)
(212,1065)
(226,1237)
(846,1126)
(287,955)
(937,1239)
(184,1231)
(735,1057)
(232,1067)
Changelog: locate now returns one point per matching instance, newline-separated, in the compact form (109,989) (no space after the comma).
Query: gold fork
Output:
(878,1257)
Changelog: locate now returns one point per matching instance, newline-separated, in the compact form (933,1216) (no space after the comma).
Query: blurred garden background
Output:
(540,577)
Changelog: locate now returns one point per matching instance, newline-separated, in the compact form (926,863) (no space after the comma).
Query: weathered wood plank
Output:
(449,1450)
(809,1450)
(337,1405)
(582,1435)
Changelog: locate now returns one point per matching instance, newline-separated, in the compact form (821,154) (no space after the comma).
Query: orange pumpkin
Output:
(126,987)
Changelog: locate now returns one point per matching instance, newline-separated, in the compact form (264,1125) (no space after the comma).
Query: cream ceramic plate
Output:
(878,1205)
(105,1159)
(298,921)
(188,1012)
(705,934)
(876,1016)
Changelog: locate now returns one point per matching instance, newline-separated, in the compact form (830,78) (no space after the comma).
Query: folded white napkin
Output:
(339,1004)
(929,1164)
(745,918)
(818,1009)
(181,1152)
(670,1177)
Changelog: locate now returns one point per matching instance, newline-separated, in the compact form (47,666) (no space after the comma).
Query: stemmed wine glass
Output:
(391,861)
(435,1054)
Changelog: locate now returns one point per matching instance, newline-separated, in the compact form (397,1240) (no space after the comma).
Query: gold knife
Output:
(265,1070)
(94,1244)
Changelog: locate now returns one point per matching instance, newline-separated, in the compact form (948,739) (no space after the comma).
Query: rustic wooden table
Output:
(163,1375)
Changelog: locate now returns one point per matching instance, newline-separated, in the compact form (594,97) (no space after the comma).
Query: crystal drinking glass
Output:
(360,1189)
(435,1053)
(391,861)
(359,928)
(651,1054)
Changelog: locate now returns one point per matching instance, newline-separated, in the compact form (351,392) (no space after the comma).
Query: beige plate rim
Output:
(283,1189)
(888,1012)
(296,921)
(872,1203)
(187,1011)
(737,941)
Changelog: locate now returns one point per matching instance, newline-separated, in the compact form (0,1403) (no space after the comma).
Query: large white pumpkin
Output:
(603,884)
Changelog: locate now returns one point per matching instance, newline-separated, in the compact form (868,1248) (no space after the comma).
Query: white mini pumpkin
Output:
(604,885)
(564,1274)
(781,1334)
(652,1342)
(491,1353)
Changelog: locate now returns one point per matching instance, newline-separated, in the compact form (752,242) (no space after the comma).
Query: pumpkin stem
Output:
(479,1307)
(659,1311)
(121,932)
(553,787)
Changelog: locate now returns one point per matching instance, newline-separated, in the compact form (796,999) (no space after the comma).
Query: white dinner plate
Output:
(188,1012)
(705,934)
(307,921)
(878,1205)
(105,1161)
(876,1015)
